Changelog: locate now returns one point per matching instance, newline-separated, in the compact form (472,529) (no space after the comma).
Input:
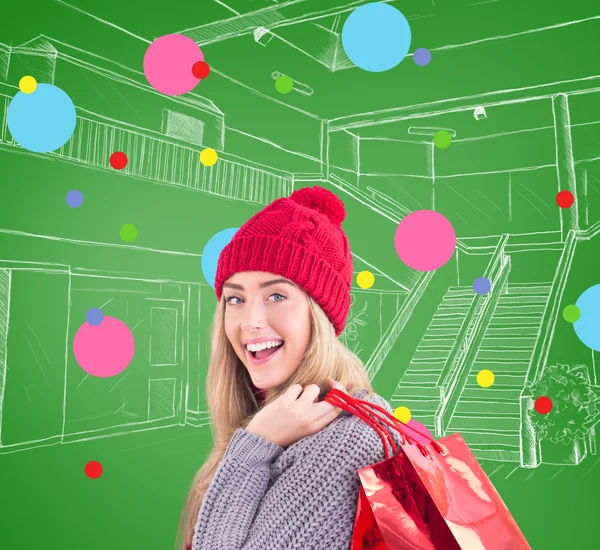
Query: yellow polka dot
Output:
(485,378)
(28,84)
(365,279)
(402,414)
(208,157)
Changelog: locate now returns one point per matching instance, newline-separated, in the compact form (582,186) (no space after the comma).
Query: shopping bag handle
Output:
(356,409)
(339,399)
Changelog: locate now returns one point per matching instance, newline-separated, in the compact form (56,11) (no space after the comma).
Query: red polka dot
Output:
(201,69)
(93,469)
(543,404)
(118,160)
(565,199)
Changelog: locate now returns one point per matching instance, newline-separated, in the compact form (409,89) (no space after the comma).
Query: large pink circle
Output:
(425,240)
(104,350)
(168,64)
(420,433)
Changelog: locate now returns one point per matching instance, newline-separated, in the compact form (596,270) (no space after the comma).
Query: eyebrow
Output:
(261,285)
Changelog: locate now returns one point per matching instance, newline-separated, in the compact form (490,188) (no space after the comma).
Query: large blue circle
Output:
(212,251)
(376,37)
(43,120)
(587,327)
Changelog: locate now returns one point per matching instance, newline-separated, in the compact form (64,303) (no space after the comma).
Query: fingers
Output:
(310,393)
(293,392)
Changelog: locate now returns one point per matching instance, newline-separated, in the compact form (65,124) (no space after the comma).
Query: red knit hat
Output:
(299,237)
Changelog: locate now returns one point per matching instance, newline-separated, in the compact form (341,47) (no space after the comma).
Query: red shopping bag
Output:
(433,496)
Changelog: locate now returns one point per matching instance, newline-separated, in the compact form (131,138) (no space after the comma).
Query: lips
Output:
(256,361)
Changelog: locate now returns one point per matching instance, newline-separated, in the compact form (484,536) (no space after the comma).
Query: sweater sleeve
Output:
(311,506)
(235,492)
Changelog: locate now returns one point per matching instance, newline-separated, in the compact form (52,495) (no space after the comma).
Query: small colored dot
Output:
(118,160)
(284,84)
(208,157)
(128,233)
(482,285)
(365,279)
(28,84)
(485,378)
(543,404)
(93,469)
(565,199)
(571,313)
(200,69)
(422,56)
(74,198)
(402,414)
(94,316)
(442,139)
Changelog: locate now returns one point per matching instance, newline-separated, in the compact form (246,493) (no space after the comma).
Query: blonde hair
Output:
(232,403)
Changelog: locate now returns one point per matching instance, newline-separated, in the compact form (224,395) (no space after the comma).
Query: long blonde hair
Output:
(232,403)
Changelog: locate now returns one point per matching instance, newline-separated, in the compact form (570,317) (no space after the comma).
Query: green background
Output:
(365,136)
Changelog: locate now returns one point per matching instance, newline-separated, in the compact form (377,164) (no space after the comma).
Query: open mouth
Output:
(264,353)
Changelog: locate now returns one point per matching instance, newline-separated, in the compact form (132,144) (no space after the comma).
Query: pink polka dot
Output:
(168,64)
(104,350)
(423,435)
(425,240)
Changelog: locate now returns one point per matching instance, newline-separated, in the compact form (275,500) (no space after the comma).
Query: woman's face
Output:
(264,309)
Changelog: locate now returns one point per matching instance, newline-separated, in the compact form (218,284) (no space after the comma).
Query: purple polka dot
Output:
(482,285)
(94,316)
(74,198)
(422,56)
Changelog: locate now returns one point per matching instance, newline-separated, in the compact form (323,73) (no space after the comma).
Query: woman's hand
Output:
(295,415)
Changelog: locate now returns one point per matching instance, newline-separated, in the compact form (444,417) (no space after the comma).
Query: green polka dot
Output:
(571,313)
(284,84)
(442,139)
(129,233)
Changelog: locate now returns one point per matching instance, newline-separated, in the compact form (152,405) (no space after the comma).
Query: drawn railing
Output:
(530,445)
(397,325)
(157,157)
(453,377)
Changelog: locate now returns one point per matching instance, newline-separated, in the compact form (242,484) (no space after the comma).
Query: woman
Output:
(282,473)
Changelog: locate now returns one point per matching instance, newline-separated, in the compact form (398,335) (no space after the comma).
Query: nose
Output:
(254,316)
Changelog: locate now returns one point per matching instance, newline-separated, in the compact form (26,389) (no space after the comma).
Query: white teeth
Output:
(263,345)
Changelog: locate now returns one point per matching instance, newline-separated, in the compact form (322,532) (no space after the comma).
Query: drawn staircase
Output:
(489,418)
(418,388)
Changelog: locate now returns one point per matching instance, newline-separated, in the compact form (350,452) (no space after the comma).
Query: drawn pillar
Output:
(565,164)
(325,149)
(4,314)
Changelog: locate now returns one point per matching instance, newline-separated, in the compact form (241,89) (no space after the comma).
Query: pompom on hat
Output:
(299,237)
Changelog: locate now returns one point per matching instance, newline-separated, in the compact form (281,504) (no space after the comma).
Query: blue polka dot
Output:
(74,198)
(376,37)
(482,285)
(94,316)
(43,120)
(587,327)
(212,251)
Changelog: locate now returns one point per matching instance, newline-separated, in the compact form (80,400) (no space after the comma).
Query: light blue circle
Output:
(376,37)
(94,316)
(587,327)
(43,120)
(212,251)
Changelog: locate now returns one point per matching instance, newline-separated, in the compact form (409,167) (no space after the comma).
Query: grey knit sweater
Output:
(265,497)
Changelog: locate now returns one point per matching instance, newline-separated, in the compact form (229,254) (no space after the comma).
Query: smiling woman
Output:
(283,289)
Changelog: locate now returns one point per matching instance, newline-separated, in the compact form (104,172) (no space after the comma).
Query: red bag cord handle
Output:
(355,409)
(333,393)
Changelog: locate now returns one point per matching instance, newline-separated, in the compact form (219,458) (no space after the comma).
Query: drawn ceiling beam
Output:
(284,14)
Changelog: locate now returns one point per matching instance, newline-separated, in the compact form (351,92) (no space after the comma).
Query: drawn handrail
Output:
(530,451)
(466,330)
(469,347)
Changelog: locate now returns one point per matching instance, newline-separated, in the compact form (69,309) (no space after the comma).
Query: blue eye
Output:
(277,294)
(229,298)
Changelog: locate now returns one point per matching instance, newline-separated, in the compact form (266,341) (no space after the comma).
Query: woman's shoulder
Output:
(351,438)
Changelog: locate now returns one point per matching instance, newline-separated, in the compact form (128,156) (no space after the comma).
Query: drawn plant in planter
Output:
(575,406)
(355,320)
